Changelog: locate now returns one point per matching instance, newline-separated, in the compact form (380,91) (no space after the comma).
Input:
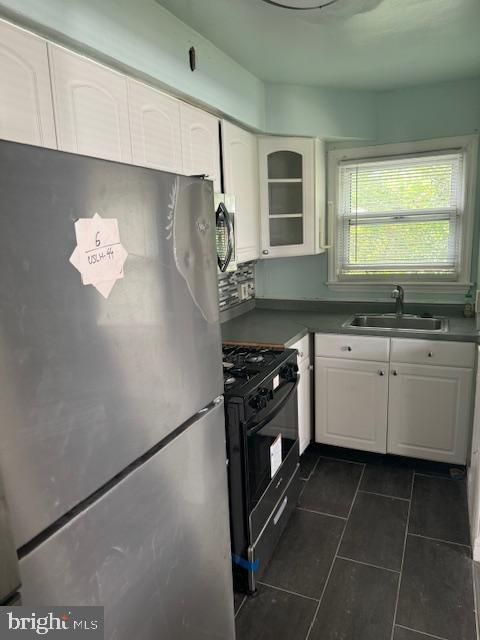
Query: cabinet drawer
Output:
(303,347)
(263,547)
(434,352)
(352,347)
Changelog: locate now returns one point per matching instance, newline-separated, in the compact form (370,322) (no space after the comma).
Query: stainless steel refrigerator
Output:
(112,446)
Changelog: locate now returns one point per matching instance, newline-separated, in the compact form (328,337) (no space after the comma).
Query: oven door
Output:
(272,454)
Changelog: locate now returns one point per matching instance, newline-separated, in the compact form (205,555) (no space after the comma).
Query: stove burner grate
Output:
(242,364)
(254,358)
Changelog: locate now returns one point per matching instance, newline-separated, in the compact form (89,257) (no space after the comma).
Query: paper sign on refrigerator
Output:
(276,455)
(99,254)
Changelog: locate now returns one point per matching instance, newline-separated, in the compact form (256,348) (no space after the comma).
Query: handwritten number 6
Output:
(97,239)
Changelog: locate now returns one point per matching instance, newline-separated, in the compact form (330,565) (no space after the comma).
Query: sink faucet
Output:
(398,295)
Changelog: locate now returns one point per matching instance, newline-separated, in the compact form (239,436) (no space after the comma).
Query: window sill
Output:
(382,287)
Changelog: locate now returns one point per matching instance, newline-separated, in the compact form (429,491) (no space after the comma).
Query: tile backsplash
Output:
(229,285)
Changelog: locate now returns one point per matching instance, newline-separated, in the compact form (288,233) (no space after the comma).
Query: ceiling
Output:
(389,44)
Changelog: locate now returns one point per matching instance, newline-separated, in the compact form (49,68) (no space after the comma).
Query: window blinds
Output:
(401,215)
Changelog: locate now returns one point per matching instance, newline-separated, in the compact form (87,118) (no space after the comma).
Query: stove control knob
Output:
(258,402)
(267,393)
(289,372)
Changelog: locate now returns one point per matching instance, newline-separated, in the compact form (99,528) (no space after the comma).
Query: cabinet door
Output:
(351,399)
(304,404)
(26,108)
(429,412)
(155,127)
(91,107)
(200,144)
(287,198)
(240,172)
(474,474)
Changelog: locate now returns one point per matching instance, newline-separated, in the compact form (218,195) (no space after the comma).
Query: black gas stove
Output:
(262,446)
(249,374)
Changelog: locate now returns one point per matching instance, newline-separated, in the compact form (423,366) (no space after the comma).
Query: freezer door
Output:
(155,550)
(88,384)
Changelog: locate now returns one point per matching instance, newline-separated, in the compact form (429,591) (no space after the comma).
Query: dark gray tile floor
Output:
(375,532)
(378,549)
(439,509)
(304,555)
(272,614)
(331,487)
(436,594)
(388,480)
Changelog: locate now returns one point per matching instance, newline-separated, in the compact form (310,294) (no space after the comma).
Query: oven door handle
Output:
(256,426)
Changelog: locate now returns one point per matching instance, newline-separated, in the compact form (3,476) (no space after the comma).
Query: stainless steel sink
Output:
(393,322)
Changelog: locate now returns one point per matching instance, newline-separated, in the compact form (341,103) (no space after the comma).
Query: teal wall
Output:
(315,111)
(142,36)
(429,111)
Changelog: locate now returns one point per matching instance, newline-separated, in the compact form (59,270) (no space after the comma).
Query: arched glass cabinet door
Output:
(285,198)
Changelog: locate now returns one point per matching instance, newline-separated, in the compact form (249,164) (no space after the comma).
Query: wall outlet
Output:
(243,290)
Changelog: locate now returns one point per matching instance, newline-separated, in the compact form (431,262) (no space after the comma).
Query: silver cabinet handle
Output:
(265,252)
(394,373)
(381,372)
(430,354)
(348,348)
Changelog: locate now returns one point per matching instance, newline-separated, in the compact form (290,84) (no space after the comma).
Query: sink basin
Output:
(392,322)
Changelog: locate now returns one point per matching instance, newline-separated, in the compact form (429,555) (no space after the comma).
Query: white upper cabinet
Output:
(292,196)
(26,110)
(91,107)
(155,128)
(240,174)
(200,144)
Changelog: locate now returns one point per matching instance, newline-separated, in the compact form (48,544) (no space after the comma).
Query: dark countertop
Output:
(278,327)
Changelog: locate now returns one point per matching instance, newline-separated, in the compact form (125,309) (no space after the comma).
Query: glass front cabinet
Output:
(292,196)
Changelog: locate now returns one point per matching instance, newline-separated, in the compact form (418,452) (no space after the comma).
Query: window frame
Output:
(336,156)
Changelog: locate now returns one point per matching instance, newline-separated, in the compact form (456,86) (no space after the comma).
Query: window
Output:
(402,216)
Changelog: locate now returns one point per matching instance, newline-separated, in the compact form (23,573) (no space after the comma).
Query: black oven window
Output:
(259,443)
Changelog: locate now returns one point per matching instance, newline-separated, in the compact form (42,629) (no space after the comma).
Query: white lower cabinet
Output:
(474,475)
(351,403)
(304,392)
(429,412)
(304,405)
(402,406)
